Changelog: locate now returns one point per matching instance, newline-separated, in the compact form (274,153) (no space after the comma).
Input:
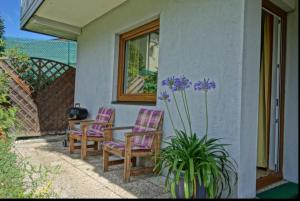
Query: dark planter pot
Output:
(200,190)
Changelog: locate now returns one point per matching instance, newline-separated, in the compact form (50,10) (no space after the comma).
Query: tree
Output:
(2,27)
(2,44)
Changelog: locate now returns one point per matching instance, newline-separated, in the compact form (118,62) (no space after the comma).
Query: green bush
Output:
(7,112)
(18,178)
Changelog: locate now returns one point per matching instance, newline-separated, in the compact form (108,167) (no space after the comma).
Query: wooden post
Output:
(105,160)
(133,160)
(96,144)
(71,145)
(84,142)
(127,161)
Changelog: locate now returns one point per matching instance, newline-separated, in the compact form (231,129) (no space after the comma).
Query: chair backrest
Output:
(147,120)
(105,115)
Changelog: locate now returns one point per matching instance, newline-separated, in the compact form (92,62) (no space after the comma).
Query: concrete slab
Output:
(85,178)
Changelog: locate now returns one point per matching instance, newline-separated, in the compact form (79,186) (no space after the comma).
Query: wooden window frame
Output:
(277,176)
(142,30)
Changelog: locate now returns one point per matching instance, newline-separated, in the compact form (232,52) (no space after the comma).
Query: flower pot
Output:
(200,190)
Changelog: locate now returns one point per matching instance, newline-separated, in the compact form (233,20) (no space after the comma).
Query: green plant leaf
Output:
(186,185)
(192,174)
(173,191)
(179,170)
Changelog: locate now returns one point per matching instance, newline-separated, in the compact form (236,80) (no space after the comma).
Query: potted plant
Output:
(196,167)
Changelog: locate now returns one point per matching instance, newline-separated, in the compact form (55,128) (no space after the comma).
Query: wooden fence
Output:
(42,93)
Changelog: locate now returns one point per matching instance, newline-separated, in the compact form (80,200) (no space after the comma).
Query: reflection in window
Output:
(141,64)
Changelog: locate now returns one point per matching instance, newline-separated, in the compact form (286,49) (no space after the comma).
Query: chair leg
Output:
(105,160)
(83,148)
(100,148)
(133,160)
(96,144)
(71,146)
(127,165)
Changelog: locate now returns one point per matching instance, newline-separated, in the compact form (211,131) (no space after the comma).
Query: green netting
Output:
(63,51)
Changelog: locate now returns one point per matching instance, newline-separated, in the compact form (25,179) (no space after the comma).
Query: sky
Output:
(10,13)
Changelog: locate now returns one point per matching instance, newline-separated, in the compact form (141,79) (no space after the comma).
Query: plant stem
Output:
(206,112)
(178,111)
(186,107)
(170,115)
(195,189)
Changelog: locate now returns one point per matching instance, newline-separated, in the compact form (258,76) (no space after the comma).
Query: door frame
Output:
(274,177)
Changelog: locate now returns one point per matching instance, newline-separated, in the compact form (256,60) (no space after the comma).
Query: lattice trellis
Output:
(39,73)
(20,97)
(52,84)
(43,72)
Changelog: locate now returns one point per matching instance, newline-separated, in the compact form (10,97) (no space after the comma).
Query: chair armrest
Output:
(88,123)
(120,128)
(104,124)
(155,146)
(132,134)
(84,125)
(79,121)
(73,122)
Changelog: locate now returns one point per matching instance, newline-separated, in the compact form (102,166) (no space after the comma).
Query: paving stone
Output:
(85,178)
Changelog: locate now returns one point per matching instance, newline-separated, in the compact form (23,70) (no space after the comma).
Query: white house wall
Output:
(249,99)
(198,39)
(291,131)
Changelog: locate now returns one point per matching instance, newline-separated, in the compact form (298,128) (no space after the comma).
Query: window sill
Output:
(134,103)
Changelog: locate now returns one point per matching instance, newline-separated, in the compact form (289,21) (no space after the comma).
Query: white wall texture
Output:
(249,98)
(200,39)
(198,46)
(291,130)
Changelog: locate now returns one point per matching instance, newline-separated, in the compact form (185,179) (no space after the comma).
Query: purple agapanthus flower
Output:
(164,96)
(169,82)
(181,84)
(177,84)
(204,85)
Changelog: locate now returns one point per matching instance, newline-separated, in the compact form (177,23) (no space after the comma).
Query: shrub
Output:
(7,112)
(18,178)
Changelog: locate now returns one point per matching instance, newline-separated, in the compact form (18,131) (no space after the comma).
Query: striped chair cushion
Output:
(90,133)
(147,120)
(121,146)
(103,116)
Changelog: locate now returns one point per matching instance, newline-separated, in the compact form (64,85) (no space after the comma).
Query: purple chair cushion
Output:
(147,120)
(103,116)
(120,145)
(90,133)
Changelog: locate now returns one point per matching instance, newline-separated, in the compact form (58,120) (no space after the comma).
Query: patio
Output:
(85,179)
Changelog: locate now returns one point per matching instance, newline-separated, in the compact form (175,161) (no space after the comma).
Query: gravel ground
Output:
(85,178)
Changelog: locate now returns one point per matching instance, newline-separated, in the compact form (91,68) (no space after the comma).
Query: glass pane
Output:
(141,64)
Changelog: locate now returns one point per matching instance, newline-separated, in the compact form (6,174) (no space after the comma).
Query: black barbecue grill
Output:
(75,113)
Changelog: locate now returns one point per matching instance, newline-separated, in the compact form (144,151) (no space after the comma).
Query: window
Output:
(138,64)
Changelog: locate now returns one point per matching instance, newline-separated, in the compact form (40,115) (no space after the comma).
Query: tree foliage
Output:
(7,112)
(2,44)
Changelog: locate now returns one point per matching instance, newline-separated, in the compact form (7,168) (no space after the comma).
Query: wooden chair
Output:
(90,130)
(143,140)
